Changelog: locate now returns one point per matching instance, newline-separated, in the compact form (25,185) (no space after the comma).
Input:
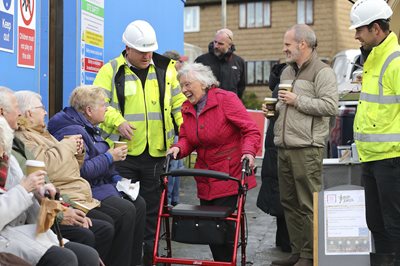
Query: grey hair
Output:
(199,72)
(6,136)
(25,99)
(86,95)
(303,32)
(5,98)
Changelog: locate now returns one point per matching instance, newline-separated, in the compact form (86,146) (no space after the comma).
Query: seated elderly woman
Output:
(73,223)
(65,172)
(217,126)
(18,214)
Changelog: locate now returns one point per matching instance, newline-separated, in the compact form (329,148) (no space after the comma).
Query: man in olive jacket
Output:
(301,131)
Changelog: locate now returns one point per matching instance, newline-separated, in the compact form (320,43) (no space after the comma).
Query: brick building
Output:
(259,26)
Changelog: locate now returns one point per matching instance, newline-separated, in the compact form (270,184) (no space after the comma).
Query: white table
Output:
(333,170)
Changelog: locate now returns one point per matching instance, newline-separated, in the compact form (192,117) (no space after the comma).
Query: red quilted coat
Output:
(220,135)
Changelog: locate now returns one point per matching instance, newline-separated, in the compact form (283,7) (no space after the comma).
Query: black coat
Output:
(268,197)
(228,69)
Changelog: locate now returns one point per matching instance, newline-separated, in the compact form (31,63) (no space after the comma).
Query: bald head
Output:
(223,42)
(226,34)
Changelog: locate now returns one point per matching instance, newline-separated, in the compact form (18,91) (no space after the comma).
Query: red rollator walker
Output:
(196,224)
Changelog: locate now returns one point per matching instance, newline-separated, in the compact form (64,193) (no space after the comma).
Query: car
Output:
(344,63)
(348,70)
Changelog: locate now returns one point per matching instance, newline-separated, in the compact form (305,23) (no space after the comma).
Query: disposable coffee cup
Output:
(286,87)
(33,166)
(344,153)
(119,144)
(270,104)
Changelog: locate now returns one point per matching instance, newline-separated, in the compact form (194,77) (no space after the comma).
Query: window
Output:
(255,14)
(305,12)
(258,71)
(191,19)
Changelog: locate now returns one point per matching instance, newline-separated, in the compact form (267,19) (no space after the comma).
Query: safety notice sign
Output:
(7,25)
(26,33)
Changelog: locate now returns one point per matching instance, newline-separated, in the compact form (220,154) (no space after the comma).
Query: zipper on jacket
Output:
(198,137)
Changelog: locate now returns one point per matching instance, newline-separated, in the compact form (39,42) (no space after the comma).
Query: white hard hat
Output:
(364,12)
(141,36)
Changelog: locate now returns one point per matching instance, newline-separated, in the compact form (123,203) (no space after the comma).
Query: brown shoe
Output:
(304,262)
(287,262)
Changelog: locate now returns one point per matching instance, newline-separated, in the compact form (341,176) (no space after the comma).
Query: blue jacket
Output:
(97,168)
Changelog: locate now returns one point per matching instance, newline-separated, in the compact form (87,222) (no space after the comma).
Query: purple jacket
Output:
(97,168)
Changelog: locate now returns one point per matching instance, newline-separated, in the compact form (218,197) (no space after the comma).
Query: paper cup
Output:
(33,166)
(344,153)
(286,87)
(119,144)
(270,103)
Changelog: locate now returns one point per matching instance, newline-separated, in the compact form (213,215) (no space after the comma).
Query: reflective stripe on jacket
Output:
(377,121)
(142,108)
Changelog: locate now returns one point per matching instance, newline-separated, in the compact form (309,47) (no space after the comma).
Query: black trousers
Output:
(147,170)
(382,200)
(128,220)
(98,236)
(73,254)
(223,252)
(282,235)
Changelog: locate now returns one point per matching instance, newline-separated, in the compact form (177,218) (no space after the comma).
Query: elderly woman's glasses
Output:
(40,107)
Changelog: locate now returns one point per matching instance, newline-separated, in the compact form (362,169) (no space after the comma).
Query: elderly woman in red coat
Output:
(217,126)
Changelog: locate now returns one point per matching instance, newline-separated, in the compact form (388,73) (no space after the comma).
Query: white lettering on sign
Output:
(6,24)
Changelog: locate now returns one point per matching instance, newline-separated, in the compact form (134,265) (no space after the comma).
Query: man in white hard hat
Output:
(145,101)
(377,126)
(227,67)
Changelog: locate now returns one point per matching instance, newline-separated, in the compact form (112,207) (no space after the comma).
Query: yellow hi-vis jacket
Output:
(142,106)
(377,121)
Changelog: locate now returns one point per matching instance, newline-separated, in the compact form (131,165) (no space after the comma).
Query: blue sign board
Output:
(6,32)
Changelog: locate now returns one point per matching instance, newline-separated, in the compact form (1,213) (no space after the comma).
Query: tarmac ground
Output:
(261,230)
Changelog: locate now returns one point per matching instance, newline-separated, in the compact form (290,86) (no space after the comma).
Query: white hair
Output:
(26,98)
(5,98)
(6,136)
(86,95)
(199,72)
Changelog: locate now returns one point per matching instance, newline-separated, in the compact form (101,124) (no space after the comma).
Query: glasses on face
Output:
(186,85)
(40,107)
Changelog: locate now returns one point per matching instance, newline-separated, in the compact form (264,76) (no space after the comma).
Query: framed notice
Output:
(346,231)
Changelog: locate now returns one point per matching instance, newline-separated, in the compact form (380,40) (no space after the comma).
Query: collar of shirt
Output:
(130,65)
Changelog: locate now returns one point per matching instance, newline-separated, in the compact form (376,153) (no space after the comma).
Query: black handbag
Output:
(195,230)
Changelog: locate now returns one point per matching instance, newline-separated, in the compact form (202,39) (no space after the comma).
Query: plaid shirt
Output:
(3,171)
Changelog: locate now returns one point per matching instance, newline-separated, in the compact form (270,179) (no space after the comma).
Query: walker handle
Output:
(167,162)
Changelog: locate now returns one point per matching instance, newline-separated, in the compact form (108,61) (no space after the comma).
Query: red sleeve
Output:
(237,114)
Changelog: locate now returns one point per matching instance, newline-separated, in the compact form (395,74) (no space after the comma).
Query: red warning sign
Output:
(26,33)
(27,9)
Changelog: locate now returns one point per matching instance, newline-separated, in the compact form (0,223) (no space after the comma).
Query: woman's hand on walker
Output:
(251,160)
(174,151)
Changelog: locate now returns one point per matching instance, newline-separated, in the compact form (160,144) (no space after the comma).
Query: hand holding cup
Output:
(119,151)
(285,94)
(78,141)
(269,107)
(34,182)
